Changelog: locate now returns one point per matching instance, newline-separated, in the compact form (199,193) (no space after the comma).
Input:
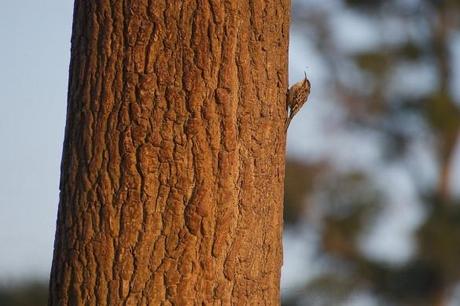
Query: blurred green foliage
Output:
(374,62)
(26,293)
(439,239)
(298,183)
(442,113)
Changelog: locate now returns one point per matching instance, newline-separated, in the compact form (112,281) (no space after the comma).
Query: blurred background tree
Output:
(392,71)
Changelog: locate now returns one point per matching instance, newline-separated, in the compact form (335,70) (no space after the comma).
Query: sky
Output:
(35,52)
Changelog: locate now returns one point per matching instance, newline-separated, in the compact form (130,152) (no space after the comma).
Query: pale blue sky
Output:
(34,57)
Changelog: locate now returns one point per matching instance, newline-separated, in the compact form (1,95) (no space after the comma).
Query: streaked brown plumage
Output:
(296,97)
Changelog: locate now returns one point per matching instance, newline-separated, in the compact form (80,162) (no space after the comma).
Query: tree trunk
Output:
(173,163)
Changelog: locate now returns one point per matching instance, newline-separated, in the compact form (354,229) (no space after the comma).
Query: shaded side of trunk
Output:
(173,163)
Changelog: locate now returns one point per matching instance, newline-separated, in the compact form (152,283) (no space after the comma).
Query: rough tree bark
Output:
(173,163)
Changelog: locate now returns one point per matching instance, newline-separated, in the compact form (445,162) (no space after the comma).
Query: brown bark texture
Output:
(173,163)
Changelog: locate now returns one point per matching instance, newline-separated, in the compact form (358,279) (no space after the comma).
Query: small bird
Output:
(297,95)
